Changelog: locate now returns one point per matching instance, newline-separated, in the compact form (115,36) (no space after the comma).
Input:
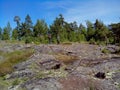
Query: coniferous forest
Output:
(61,31)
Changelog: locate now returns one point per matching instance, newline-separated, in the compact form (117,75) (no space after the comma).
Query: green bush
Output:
(101,43)
(28,40)
(92,41)
(16,82)
(105,51)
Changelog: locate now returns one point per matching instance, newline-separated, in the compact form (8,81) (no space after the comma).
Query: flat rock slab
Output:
(42,84)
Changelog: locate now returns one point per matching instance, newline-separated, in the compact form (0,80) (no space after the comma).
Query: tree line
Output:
(61,31)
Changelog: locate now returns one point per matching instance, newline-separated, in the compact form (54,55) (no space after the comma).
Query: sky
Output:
(107,11)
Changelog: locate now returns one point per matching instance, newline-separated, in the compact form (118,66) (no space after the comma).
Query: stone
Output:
(50,64)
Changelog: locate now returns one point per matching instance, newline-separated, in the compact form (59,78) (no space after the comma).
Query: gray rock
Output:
(116,77)
(42,84)
(112,48)
(50,64)
(22,73)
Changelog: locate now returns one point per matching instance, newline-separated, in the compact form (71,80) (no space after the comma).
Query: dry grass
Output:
(13,58)
(66,43)
(66,58)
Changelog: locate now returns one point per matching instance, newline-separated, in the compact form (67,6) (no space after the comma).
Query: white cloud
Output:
(91,11)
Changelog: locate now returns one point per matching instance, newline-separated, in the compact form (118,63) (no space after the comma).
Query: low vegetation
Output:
(13,58)
(66,58)
(105,51)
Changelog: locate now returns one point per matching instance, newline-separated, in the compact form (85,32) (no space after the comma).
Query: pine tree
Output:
(17,29)
(56,28)
(5,35)
(90,30)
(101,31)
(6,32)
(15,34)
(40,30)
(0,33)
(28,25)
(115,28)
(73,31)
(82,33)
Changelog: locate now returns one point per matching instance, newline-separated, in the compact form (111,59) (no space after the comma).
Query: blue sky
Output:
(107,11)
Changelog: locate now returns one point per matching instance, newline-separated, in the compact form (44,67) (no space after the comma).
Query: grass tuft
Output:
(13,58)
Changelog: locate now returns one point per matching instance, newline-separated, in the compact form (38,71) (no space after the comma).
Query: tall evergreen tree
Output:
(28,26)
(57,27)
(90,30)
(9,28)
(15,34)
(82,29)
(23,30)
(115,28)
(5,35)
(0,33)
(67,31)
(40,30)
(17,31)
(101,31)
(82,33)
(6,32)
(17,20)
(73,31)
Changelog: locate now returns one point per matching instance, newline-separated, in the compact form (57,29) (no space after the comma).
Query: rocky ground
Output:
(64,67)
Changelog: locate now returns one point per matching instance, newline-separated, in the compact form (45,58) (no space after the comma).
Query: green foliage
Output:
(92,41)
(40,28)
(56,28)
(115,28)
(100,43)
(105,51)
(28,40)
(111,40)
(15,34)
(61,31)
(6,32)
(12,59)
(90,30)
(0,33)
(15,82)
(40,31)
(73,37)
(5,35)
(101,31)
(17,29)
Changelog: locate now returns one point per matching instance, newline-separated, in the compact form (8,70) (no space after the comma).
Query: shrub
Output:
(92,41)
(100,43)
(105,51)
(28,40)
